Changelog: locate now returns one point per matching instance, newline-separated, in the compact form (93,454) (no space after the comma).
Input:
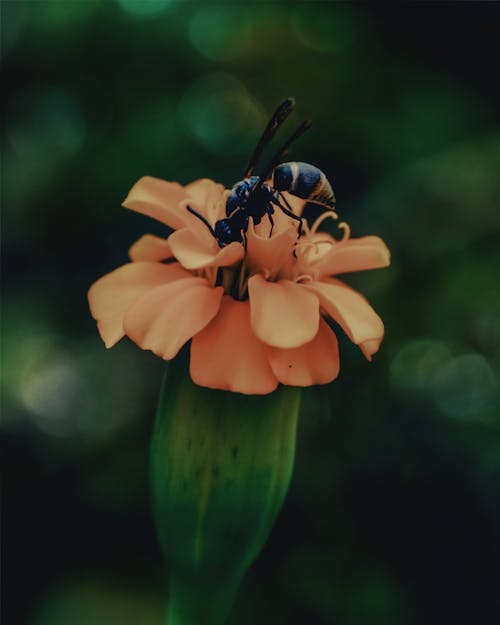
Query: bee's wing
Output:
(278,117)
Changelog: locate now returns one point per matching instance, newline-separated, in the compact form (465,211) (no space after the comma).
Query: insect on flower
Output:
(220,280)
(254,197)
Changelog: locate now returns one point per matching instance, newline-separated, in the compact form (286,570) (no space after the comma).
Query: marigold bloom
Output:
(256,312)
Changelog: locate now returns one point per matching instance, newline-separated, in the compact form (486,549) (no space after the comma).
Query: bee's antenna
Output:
(279,116)
(201,218)
(278,157)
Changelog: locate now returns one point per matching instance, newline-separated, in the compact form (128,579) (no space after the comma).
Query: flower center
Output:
(310,250)
(306,253)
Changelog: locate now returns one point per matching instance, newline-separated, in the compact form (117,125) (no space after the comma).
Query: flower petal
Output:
(267,255)
(208,199)
(150,247)
(226,355)
(112,295)
(158,199)
(195,254)
(352,312)
(283,313)
(316,362)
(354,255)
(369,347)
(169,315)
(208,196)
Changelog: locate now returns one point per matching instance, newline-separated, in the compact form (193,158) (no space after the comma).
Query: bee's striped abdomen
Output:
(305,181)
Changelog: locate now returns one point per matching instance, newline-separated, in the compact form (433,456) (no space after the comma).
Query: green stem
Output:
(221,466)
(200,601)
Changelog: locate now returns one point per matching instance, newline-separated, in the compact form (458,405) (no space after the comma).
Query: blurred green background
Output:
(393,517)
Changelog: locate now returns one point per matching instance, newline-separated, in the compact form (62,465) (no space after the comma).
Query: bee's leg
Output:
(243,232)
(287,203)
(270,211)
(288,211)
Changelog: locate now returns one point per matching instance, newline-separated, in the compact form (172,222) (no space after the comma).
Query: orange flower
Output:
(255,311)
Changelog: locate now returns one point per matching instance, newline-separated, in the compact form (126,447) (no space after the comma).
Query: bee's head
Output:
(239,193)
(224,232)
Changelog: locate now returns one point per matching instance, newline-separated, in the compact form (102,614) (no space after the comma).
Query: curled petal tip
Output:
(370,347)
(157,199)
(352,255)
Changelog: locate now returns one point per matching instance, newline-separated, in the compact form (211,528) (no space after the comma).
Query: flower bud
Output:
(221,465)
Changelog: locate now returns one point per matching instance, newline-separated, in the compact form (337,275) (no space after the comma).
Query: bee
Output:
(253,197)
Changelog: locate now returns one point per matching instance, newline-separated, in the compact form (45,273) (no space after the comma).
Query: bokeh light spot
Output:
(72,391)
(323,30)
(415,365)
(13,19)
(147,8)
(45,124)
(58,15)
(94,602)
(221,33)
(44,129)
(465,386)
(222,115)
(50,394)
(487,328)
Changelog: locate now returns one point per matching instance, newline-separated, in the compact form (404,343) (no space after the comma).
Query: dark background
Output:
(393,514)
